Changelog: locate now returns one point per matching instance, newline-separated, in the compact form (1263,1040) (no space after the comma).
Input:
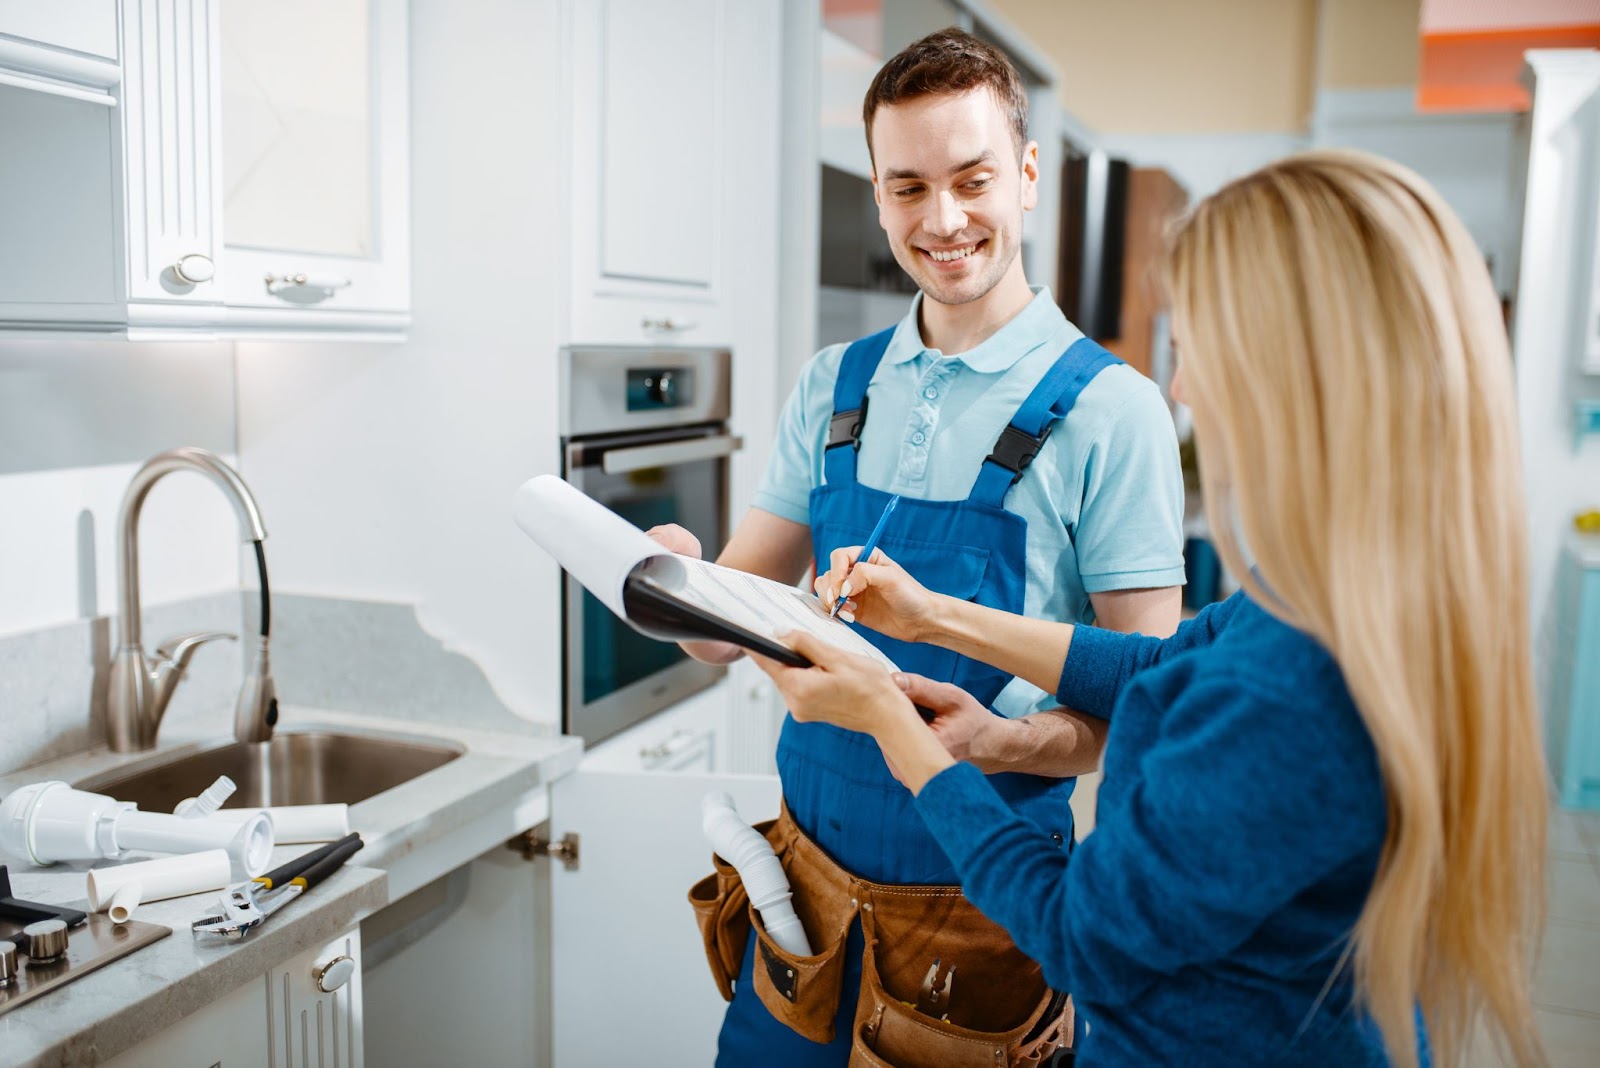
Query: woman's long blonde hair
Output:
(1352,391)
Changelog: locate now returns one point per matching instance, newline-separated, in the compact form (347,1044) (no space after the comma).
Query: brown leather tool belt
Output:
(941,985)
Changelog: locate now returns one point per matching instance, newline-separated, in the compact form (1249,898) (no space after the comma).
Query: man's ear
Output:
(1030,176)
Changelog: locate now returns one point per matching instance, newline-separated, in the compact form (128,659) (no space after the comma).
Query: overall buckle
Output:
(845,427)
(1016,448)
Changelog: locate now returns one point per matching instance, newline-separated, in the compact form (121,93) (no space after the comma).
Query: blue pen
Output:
(868,548)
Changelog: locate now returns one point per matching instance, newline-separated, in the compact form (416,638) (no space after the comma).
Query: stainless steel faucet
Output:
(139,691)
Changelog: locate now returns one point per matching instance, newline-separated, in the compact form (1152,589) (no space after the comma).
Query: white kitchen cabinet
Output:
(315,191)
(171,169)
(660,97)
(145,194)
(230,1032)
(622,938)
(84,26)
(283,1019)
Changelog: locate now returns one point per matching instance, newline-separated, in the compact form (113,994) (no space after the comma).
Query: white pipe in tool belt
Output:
(742,845)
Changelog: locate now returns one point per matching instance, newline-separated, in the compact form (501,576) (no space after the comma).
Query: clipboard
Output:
(664,614)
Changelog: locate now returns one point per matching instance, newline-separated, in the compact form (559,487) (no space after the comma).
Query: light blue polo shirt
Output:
(1103,499)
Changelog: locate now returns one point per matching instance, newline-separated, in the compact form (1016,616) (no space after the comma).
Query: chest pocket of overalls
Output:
(954,570)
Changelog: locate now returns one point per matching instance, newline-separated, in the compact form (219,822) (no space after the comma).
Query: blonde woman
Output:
(1321,831)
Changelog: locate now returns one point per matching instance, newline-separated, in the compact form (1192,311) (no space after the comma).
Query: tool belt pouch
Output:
(721,908)
(999,1011)
(804,992)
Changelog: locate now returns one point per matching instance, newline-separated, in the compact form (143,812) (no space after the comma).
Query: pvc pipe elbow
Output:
(759,869)
(124,901)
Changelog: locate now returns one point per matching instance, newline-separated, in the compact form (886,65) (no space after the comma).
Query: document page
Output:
(757,604)
(595,545)
(601,550)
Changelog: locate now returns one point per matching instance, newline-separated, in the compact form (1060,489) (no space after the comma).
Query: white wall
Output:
(1470,159)
(1558,229)
(1202,162)
(76,420)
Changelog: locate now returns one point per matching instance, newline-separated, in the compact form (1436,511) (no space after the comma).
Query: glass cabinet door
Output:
(314,165)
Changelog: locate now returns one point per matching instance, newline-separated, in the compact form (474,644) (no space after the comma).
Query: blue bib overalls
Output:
(835,783)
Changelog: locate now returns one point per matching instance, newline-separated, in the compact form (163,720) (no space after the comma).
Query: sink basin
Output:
(310,768)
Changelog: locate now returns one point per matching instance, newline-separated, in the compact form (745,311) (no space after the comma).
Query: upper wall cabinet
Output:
(315,179)
(655,109)
(242,171)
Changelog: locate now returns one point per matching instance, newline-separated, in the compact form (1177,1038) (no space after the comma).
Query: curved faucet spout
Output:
(138,696)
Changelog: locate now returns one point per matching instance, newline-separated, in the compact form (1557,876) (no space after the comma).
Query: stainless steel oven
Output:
(644,432)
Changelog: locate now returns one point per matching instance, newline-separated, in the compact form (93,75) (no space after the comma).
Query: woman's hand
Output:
(880,594)
(856,693)
(841,688)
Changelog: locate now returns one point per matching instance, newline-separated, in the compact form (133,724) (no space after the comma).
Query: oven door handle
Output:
(621,461)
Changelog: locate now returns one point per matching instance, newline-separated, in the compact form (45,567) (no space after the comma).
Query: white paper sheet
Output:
(600,550)
(595,545)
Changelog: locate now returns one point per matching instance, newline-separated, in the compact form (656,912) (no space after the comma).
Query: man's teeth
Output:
(954,254)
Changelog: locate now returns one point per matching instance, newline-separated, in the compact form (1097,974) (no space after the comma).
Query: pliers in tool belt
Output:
(247,905)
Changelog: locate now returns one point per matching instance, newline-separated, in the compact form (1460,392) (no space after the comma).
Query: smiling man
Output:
(1036,473)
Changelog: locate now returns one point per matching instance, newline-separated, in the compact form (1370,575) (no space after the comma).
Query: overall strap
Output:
(1050,401)
(850,406)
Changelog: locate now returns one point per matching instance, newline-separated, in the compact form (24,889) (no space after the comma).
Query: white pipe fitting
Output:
(293,824)
(117,891)
(210,799)
(741,845)
(50,821)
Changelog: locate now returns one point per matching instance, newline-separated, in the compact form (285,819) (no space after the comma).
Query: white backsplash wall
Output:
(76,421)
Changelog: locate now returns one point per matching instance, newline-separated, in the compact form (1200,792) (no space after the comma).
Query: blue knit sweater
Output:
(1238,830)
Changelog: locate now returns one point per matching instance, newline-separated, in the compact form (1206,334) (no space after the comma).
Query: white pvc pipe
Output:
(119,890)
(292,824)
(249,843)
(758,866)
(49,821)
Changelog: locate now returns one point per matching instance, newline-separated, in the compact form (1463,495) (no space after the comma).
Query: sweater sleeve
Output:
(1100,662)
(1228,821)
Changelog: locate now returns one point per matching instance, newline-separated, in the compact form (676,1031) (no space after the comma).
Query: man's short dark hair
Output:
(950,61)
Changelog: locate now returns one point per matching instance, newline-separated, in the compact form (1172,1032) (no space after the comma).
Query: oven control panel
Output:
(657,388)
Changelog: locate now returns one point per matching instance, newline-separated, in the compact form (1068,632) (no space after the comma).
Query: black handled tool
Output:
(246,906)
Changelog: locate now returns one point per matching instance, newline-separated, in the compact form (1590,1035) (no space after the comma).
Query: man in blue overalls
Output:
(1036,473)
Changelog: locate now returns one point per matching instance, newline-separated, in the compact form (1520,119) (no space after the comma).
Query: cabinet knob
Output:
(334,974)
(194,269)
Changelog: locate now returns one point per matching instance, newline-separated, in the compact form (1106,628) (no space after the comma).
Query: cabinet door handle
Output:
(667,324)
(193,269)
(304,288)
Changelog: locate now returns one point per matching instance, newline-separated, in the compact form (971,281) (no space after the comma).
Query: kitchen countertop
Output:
(139,995)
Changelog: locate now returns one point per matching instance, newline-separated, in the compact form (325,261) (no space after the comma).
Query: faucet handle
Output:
(176,651)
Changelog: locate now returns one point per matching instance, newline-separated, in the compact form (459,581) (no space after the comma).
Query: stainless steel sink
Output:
(311,768)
